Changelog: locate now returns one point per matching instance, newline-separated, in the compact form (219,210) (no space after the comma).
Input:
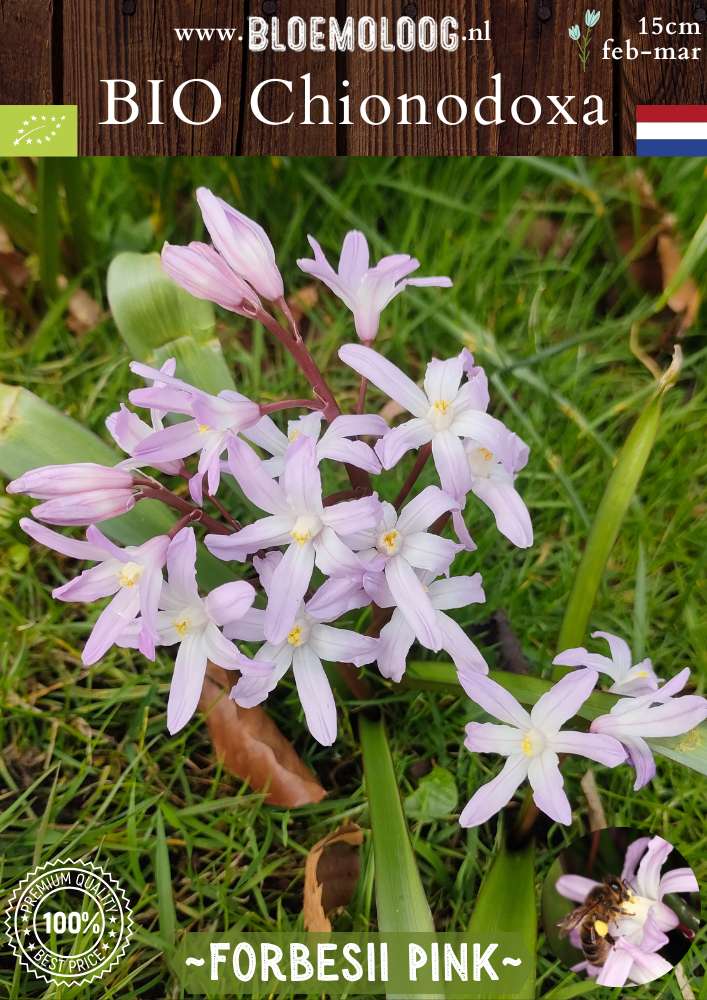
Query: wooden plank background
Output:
(57,51)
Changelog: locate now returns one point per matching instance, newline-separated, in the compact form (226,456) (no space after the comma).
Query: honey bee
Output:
(603,904)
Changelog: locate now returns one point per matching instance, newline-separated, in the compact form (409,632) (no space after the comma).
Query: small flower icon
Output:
(591,19)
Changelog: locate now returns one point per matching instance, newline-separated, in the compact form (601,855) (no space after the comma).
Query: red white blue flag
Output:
(671,130)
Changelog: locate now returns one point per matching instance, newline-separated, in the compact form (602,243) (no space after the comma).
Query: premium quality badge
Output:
(68,922)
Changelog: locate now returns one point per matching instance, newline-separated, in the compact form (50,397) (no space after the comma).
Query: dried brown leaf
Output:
(84,312)
(14,273)
(391,410)
(331,872)
(685,300)
(595,807)
(253,748)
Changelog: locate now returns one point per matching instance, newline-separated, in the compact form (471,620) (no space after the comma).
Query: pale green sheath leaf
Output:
(157,319)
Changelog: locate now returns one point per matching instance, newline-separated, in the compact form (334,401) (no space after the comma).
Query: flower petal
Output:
(386,377)
(360,515)
(495,794)
(300,479)
(648,874)
(634,853)
(508,508)
(620,651)
(451,463)
(457,643)
(265,533)
(230,601)
(111,622)
(678,880)
(356,453)
(248,471)
(442,378)
(337,596)
(424,510)
(394,644)
(187,682)
(563,700)
(604,749)
(423,550)
(486,737)
(457,592)
(462,532)
(315,695)
(181,565)
(72,547)
(413,601)
(575,887)
(333,556)
(342,645)
(399,440)
(494,699)
(287,589)
(548,789)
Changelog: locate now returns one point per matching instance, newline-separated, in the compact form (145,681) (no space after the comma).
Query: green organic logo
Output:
(38,130)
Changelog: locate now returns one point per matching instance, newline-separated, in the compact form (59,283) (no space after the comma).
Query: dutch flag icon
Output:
(671,130)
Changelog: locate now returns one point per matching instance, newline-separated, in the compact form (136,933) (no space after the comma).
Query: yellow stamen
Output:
(642,673)
(294,636)
(601,927)
(486,454)
(293,435)
(389,540)
(441,405)
(300,536)
(181,626)
(130,574)
(203,428)
(527,746)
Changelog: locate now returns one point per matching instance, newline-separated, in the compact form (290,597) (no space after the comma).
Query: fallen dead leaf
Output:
(253,748)
(685,300)
(595,808)
(84,312)
(331,872)
(303,301)
(391,410)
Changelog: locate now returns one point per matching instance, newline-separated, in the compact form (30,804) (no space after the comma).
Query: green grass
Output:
(87,767)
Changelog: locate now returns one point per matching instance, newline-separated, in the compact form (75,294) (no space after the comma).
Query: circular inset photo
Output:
(620,907)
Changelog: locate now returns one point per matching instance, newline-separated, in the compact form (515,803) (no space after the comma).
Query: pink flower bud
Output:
(85,508)
(242,243)
(206,275)
(66,480)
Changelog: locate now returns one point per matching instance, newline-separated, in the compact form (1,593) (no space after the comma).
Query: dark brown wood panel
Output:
(26,59)
(431,75)
(59,51)
(646,80)
(102,41)
(293,139)
(536,56)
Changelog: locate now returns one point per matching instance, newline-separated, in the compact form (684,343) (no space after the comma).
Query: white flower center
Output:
(389,542)
(130,574)
(440,414)
(533,743)
(481,462)
(305,529)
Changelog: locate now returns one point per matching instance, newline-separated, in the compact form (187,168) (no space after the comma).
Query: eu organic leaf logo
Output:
(38,130)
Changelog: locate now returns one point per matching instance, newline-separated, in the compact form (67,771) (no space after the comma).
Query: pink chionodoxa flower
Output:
(79,493)
(365,290)
(195,623)
(128,430)
(640,931)
(216,420)
(471,449)
(200,270)
(242,243)
(656,715)
(397,546)
(335,443)
(531,743)
(131,575)
(397,636)
(626,678)
(298,519)
(310,640)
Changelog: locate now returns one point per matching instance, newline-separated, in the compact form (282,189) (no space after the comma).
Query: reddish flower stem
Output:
(291,404)
(420,462)
(362,389)
(151,490)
